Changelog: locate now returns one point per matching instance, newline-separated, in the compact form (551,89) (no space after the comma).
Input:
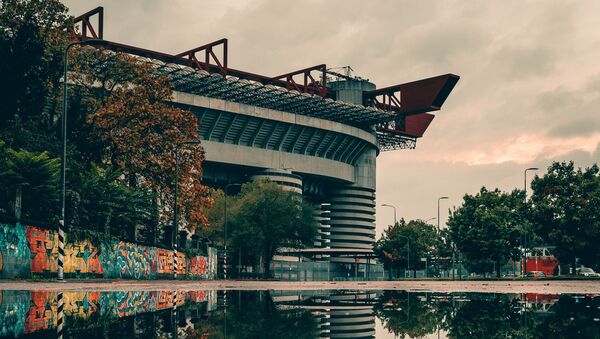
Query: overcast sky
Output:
(528,95)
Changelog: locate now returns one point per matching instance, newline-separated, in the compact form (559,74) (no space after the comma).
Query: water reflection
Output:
(297,314)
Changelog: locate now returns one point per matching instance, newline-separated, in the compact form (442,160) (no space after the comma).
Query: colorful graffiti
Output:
(15,257)
(23,312)
(125,260)
(165,261)
(82,257)
(198,266)
(27,251)
(43,245)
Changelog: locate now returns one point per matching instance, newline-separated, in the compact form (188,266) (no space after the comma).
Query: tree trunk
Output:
(18,195)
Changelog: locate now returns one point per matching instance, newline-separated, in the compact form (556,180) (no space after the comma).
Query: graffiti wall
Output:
(23,312)
(15,257)
(125,260)
(30,251)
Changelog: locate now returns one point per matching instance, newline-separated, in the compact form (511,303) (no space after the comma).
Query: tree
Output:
(109,206)
(264,218)
(141,132)
(32,33)
(565,211)
(32,178)
(488,227)
(393,246)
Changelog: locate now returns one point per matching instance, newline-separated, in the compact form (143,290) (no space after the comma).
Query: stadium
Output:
(314,131)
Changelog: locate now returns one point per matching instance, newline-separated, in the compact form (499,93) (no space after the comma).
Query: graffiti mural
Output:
(13,312)
(81,304)
(198,267)
(165,261)
(82,257)
(43,245)
(125,260)
(15,257)
(181,264)
(42,312)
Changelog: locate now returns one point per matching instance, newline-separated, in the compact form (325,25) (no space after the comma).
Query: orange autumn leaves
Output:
(140,132)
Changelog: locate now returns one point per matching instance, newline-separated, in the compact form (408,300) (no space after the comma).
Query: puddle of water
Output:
(296,314)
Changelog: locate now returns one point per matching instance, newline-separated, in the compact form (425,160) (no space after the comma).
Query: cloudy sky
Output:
(528,95)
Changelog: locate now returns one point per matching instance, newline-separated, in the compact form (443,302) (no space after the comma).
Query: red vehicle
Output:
(541,259)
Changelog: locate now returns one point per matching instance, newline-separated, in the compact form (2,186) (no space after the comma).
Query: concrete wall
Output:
(29,251)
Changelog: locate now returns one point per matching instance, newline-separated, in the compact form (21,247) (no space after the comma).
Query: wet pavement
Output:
(296,314)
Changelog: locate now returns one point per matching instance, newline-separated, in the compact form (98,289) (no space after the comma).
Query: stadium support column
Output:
(352,216)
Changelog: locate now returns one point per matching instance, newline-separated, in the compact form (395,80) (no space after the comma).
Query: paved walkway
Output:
(537,286)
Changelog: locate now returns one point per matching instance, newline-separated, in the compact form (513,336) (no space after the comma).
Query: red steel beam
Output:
(208,53)
(309,84)
(86,25)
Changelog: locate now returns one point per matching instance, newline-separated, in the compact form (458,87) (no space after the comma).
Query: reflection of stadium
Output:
(341,314)
(313,131)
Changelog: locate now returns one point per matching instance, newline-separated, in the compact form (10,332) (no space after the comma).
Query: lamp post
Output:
(524,261)
(63,168)
(176,207)
(428,220)
(438,229)
(407,252)
(394,207)
(225,257)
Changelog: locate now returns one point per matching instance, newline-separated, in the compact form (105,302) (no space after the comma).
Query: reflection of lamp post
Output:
(394,207)
(524,261)
(63,168)
(225,257)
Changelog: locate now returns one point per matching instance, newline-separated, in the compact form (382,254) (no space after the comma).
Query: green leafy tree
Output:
(488,227)
(109,206)
(416,237)
(32,178)
(566,213)
(264,218)
(405,314)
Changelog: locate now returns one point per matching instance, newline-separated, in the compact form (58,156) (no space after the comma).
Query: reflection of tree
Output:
(254,315)
(486,316)
(405,315)
(570,318)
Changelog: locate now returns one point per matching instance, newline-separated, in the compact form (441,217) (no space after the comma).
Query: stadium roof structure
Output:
(397,113)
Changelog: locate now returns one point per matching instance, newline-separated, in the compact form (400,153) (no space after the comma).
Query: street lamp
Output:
(394,207)
(225,257)
(428,220)
(63,168)
(438,229)
(525,236)
(176,207)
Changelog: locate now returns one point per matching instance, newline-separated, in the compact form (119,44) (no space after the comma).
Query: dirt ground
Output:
(539,286)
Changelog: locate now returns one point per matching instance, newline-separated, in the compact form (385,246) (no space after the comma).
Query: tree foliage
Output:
(393,246)
(264,218)
(35,175)
(488,227)
(566,211)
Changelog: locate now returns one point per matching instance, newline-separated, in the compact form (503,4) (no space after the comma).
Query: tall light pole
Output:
(438,230)
(176,207)
(407,252)
(394,207)
(63,168)
(225,257)
(524,270)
